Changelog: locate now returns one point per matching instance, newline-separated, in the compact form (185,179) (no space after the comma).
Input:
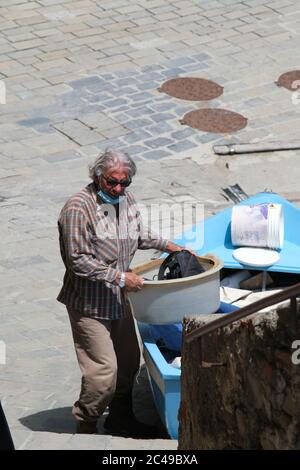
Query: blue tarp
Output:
(170,336)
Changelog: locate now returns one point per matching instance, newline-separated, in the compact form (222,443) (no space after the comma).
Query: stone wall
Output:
(252,401)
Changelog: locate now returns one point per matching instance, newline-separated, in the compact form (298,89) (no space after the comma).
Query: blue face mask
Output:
(109,199)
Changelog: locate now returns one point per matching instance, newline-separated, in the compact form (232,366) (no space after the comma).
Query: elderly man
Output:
(100,230)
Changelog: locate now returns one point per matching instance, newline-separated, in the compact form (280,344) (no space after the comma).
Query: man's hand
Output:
(133,282)
(171,247)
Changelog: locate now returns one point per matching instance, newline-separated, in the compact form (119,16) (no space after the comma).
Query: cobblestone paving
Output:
(81,76)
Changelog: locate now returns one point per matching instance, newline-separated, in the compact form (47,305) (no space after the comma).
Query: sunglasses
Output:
(113,182)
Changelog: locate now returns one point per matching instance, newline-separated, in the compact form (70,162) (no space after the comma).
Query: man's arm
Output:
(149,239)
(80,255)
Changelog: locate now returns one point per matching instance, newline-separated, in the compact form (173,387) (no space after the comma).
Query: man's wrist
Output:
(122,280)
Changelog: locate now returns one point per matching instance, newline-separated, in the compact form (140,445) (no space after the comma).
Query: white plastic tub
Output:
(170,300)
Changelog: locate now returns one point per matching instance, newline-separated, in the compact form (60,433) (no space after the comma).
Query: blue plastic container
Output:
(164,378)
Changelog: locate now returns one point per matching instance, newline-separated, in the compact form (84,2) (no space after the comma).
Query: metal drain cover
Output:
(192,89)
(214,120)
(289,80)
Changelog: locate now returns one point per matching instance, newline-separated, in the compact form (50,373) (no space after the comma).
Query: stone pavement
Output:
(81,76)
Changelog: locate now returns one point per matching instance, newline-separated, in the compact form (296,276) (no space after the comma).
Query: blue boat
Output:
(217,236)
(164,378)
(164,381)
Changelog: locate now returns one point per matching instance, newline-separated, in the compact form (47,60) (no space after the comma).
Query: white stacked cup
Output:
(260,225)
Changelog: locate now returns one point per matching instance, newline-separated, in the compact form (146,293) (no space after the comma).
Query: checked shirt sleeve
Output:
(79,253)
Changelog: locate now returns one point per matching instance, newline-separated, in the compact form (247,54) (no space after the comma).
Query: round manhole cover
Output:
(289,80)
(214,120)
(193,89)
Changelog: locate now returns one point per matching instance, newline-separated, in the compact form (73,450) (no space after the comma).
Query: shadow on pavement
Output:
(60,420)
(57,420)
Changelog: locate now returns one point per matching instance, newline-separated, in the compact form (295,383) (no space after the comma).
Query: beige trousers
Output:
(108,354)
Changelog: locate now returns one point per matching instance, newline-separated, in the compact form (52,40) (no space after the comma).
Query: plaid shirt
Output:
(95,244)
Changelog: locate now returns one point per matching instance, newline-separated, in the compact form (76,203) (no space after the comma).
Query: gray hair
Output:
(110,159)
